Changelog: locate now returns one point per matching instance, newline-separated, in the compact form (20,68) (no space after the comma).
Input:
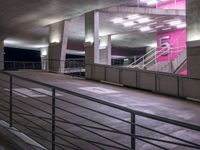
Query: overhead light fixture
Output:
(166,29)
(143,20)
(117,20)
(160,26)
(129,24)
(138,26)
(133,17)
(152,31)
(152,2)
(144,1)
(153,23)
(163,0)
(175,22)
(144,29)
(182,25)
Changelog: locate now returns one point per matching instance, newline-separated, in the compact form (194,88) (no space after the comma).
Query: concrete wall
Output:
(164,83)
(193,20)
(1,55)
(54,57)
(58,39)
(193,36)
(193,60)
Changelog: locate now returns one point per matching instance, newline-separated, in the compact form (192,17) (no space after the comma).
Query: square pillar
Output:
(91,45)
(105,50)
(58,40)
(193,38)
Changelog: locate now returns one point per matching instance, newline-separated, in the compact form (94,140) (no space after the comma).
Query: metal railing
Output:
(75,66)
(17,65)
(64,119)
(151,57)
(75,63)
(71,66)
(143,59)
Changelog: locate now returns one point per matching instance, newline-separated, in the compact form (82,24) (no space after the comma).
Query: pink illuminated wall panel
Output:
(173,43)
(173,4)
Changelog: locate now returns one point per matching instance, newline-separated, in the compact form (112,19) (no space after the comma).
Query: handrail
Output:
(54,119)
(156,56)
(161,52)
(142,57)
(175,122)
(180,66)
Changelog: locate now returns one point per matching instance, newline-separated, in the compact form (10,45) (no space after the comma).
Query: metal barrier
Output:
(75,66)
(17,65)
(71,66)
(63,119)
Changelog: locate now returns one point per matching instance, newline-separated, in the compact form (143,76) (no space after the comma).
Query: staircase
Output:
(149,57)
(149,61)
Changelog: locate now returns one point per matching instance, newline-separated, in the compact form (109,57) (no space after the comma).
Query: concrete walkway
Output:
(174,108)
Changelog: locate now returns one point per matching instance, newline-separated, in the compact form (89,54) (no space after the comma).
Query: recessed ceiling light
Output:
(152,2)
(144,20)
(144,29)
(152,31)
(132,17)
(138,26)
(182,25)
(128,24)
(153,23)
(175,22)
(161,26)
(164,0)
(117,20)
(166,29)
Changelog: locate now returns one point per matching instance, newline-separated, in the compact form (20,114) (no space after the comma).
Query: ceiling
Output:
(26,24)
(27,21)
(127,37)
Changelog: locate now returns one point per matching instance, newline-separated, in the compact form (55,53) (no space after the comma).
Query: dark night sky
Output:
(16,54)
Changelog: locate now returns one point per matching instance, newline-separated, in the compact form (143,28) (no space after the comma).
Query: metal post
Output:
(133,141)
(13,65)
(33,66)
(11,95)
(143,62)
(80,71)
(53,117)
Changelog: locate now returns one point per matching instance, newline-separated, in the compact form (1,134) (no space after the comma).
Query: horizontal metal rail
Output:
(66,138)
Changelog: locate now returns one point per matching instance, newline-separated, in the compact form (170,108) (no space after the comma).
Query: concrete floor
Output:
(174,108)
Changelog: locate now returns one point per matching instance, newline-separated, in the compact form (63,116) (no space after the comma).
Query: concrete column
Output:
(105,50)
(91,45)
(1,55)
(58,39)
(44,58)
(193,38)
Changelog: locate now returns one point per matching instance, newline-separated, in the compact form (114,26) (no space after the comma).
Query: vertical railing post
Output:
(33,66)
(11,100)
(133,132)
(53,117)
(13,65)
(24,65)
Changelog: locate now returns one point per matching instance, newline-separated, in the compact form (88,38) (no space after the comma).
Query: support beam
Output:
(91,45)
(105,50)
(44,58)
(144,11)
(58,39)
(1,55)
(193,38)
